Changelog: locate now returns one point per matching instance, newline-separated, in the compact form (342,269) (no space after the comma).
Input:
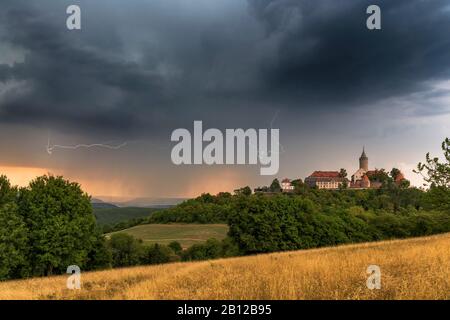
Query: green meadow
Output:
(185,234)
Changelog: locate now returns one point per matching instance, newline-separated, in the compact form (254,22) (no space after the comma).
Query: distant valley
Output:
(118,210)
(143,202)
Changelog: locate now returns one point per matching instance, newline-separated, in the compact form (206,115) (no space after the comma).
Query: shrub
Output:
(125,250)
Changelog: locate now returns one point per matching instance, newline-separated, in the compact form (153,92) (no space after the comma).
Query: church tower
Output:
(364,161)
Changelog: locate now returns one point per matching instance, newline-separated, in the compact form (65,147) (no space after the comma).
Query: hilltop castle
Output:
(363,178)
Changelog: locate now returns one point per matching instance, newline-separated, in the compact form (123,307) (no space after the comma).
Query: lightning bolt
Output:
(282,150)
(271,127)
(50,148)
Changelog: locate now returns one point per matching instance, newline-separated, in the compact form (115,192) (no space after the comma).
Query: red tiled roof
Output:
(399,177)
(325,174)
(285,180)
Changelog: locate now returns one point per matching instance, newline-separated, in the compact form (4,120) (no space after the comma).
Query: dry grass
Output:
(411,269)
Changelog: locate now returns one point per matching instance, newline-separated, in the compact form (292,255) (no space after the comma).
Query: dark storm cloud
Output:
(327,56)
(66,81)
(71,81)
(151,65)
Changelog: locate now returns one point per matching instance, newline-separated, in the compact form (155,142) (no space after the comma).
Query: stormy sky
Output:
(140,69)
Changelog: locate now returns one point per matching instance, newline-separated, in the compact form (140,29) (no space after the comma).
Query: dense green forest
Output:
(46,227)
(263,224)
(112,216)
(50,225)
(116,218)
(314,218)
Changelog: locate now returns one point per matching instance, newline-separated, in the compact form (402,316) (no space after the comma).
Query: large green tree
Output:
(8,193)
(62,227)
(13,234)
(13,243)
(434,171)
(275,186)
(126,250)
(394,173)
(436,174)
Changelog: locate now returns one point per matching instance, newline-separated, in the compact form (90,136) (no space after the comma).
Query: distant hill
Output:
(112,210)
(108,215)
(143,202)
(97,204)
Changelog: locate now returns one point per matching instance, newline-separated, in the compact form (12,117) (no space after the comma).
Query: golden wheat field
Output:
(410,269)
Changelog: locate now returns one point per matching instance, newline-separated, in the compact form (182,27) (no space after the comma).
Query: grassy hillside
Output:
(115,215)
(411,269)
(185,234)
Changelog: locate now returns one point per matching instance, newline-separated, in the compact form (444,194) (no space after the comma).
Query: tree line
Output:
(46,227)
(128,251)
(267,224)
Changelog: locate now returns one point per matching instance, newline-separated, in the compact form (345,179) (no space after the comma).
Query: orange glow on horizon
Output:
(22,176)
(226,180)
